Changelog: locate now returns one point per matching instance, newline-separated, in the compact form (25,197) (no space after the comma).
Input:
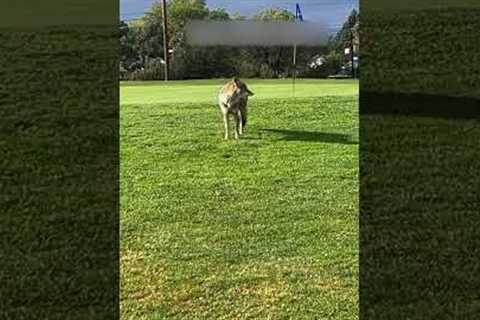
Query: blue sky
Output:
(331,12)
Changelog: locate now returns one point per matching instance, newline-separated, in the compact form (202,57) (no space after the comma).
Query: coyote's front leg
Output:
(225,124)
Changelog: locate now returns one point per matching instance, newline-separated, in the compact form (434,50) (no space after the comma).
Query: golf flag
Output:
(298,16)
(298,13)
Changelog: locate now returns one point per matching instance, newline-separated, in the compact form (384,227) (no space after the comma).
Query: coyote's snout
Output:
(233,99)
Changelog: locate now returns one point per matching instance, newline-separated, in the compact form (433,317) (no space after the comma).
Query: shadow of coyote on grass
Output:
(313,136)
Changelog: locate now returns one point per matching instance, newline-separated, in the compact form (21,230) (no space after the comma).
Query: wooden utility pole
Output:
(165,41)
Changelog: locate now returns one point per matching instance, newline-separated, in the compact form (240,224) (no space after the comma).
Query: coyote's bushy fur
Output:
(233,99)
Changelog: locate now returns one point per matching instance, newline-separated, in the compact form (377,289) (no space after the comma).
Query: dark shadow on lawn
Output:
(325,137)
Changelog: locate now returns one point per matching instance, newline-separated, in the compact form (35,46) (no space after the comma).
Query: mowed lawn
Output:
(261,228)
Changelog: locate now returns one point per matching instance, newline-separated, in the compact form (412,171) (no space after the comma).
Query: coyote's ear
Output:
(235,79)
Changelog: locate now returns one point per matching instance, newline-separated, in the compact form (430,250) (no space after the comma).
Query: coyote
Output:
(232,99)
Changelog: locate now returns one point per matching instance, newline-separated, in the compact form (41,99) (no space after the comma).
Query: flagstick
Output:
(298,16)
(294,67)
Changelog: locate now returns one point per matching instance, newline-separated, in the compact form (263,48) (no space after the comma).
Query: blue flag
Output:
(298,13)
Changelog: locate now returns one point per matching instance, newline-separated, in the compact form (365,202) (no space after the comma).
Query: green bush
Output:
(154,70)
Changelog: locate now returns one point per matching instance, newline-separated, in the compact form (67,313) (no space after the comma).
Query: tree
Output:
(274,15)
(238,16)
(349,30)
(348,37)
(270,61)
(147,39)
(132,35)
(152,36)
(180,12)
(141,44)
(219,15)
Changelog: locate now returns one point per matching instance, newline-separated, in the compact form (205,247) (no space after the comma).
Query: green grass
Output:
(58,12)
(397,53)
(261,228)
(206,90)
(58,147)
(419,217)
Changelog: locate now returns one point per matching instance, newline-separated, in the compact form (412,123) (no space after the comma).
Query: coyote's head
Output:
(240,89)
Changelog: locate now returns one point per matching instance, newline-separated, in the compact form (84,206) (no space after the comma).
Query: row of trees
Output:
(142,48)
